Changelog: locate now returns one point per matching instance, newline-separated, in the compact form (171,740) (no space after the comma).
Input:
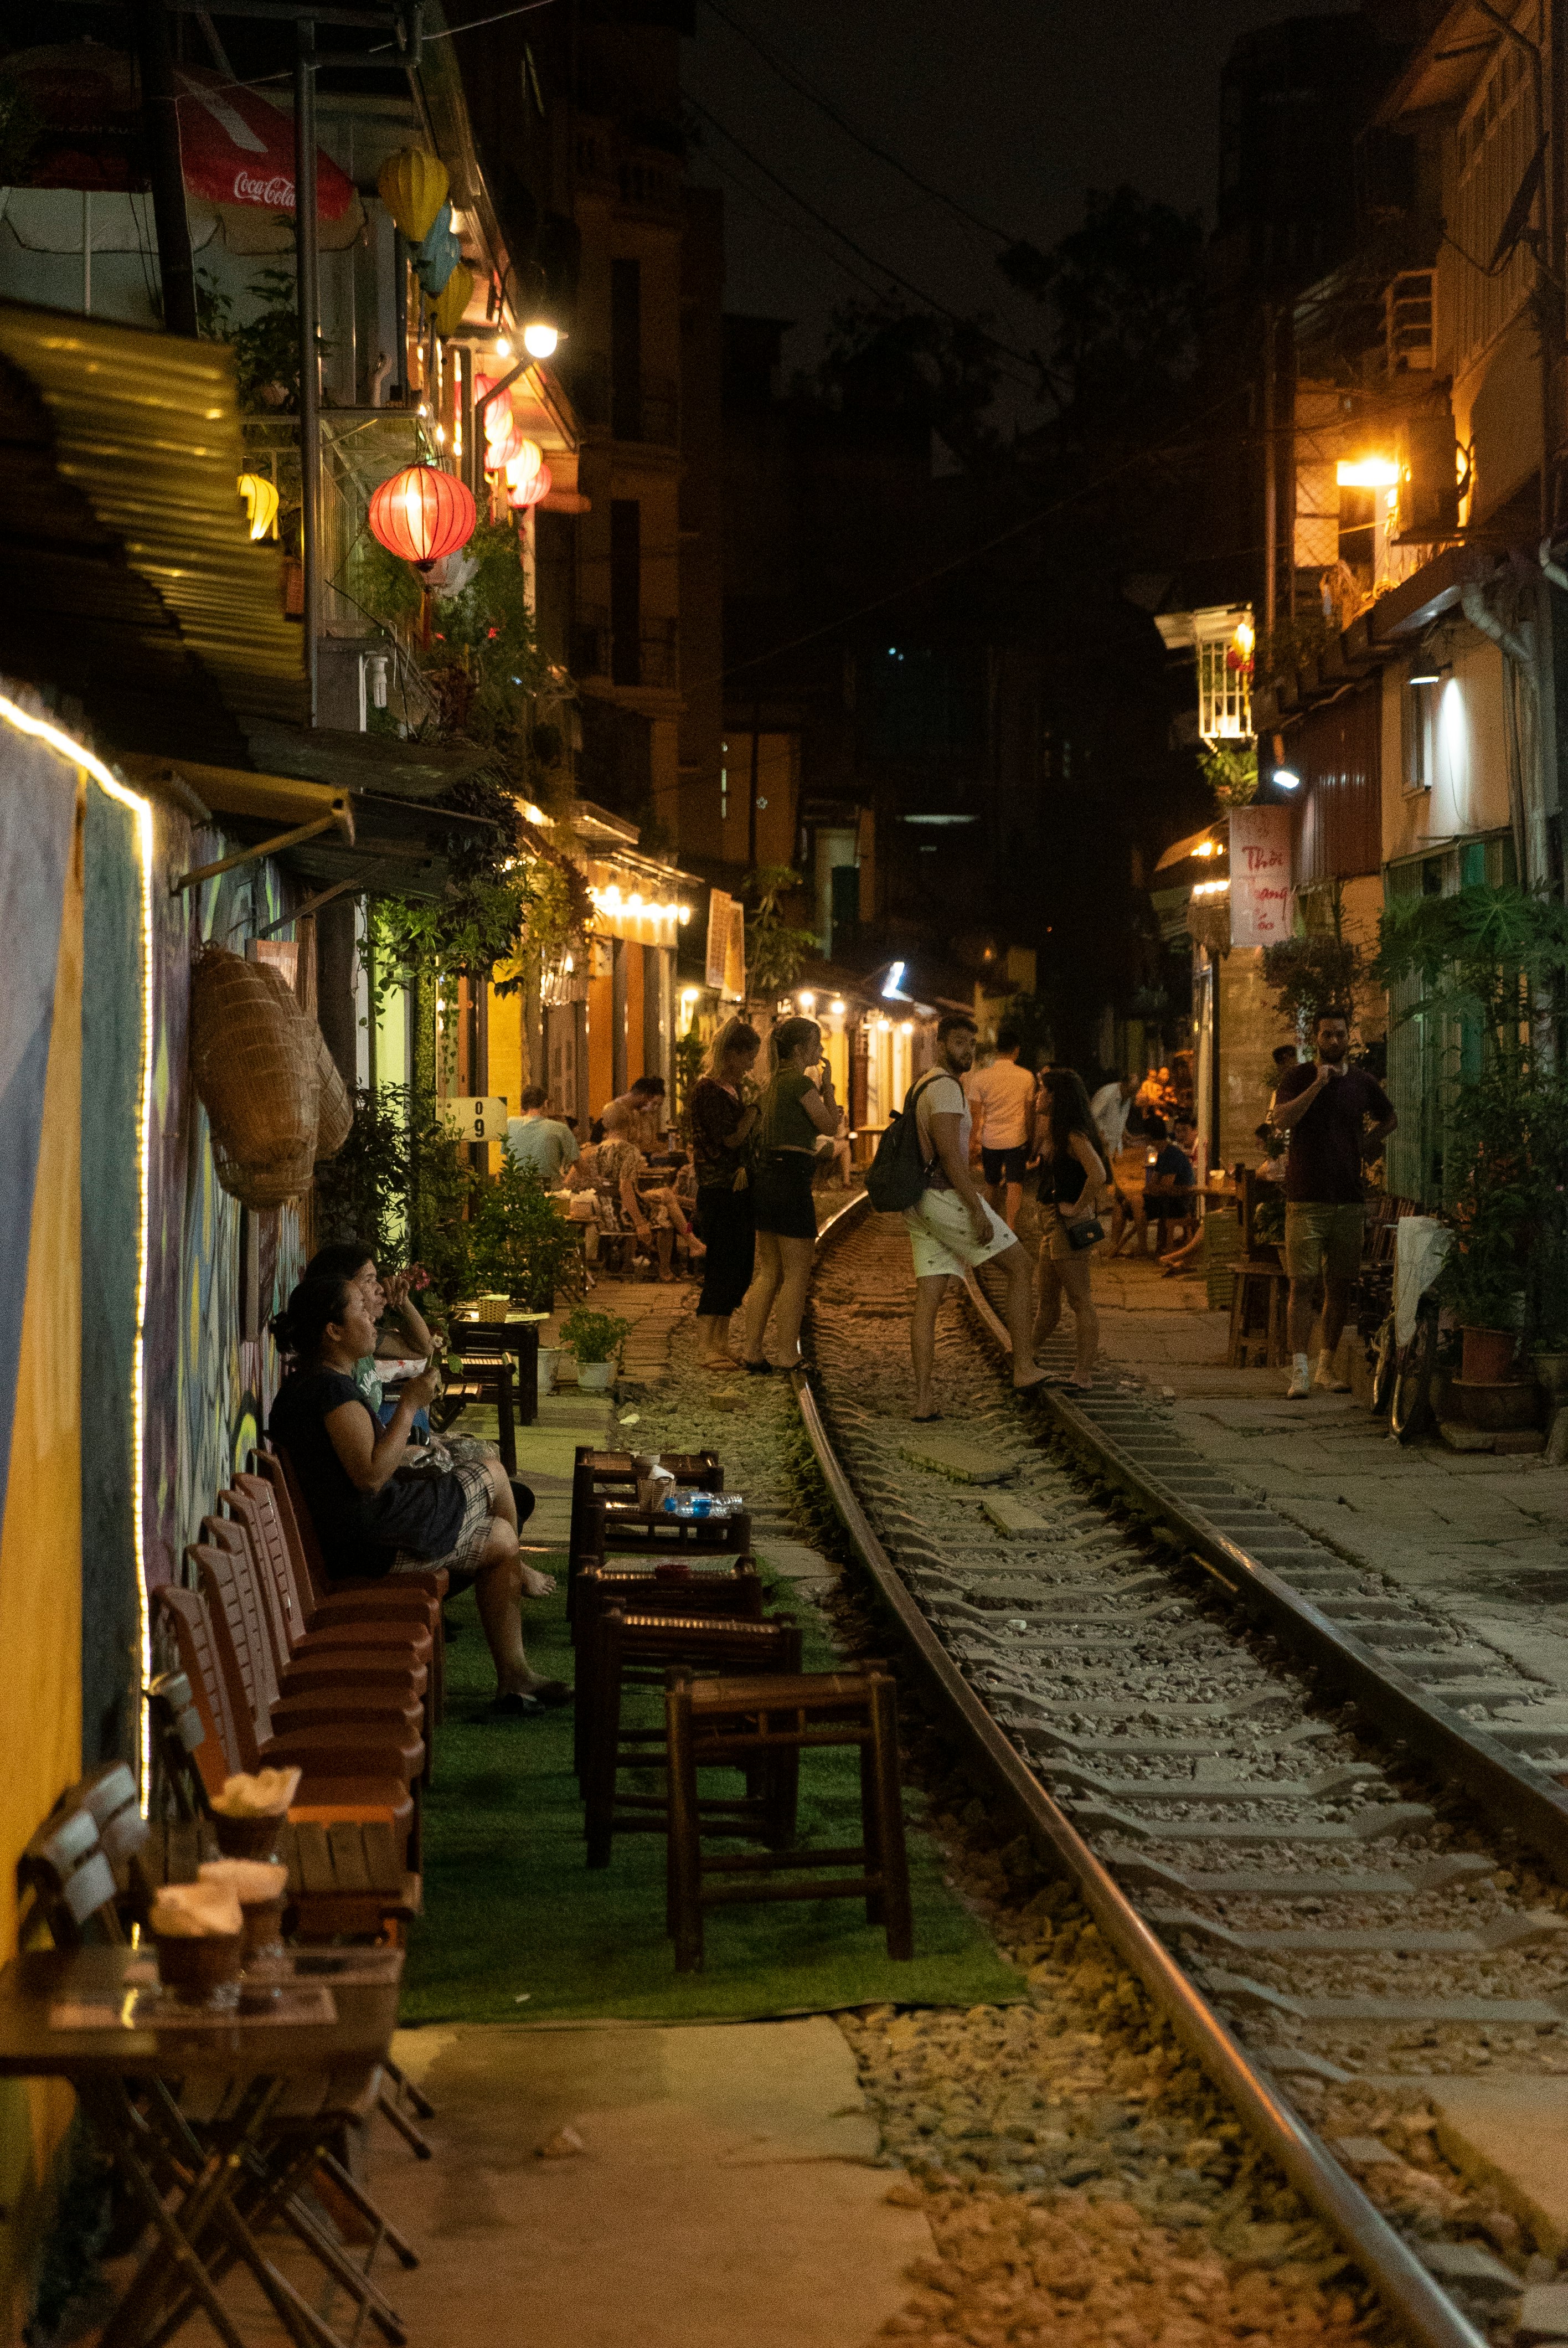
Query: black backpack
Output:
(897,1176)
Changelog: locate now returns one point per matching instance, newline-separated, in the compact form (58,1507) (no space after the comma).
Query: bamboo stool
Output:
(739,1723)
(639,1651)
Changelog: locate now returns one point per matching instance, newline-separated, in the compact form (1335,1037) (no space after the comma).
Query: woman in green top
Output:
(797,1103)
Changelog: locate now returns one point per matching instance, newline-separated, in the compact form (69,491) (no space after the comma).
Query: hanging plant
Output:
(1231,775)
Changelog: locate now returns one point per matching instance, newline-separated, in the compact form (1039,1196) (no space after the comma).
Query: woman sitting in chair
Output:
(655,1214)
(378,1512)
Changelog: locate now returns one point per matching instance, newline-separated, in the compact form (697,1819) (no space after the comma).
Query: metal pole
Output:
(309,296)
(176,267)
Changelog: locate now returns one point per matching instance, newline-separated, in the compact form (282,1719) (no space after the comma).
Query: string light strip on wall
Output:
(40,730)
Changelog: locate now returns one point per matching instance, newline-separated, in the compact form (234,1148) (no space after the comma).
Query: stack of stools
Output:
(754,1723)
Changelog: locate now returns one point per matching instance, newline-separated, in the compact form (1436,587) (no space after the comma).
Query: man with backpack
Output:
(922,1168)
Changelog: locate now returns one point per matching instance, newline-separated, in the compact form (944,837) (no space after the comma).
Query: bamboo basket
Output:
(253,1062)
(334,1113)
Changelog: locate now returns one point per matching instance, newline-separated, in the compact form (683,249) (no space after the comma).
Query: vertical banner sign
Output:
(1260,875)
(735,959)
(720,907)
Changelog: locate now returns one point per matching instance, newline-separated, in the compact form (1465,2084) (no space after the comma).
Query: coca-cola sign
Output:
(276,191)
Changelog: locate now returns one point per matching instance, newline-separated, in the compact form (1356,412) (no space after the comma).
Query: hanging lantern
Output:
(499,419)
(414,186)
(500,452)
(530,489)
(440,254)
(260,497)
(422,514)
(525,464)
(447,309)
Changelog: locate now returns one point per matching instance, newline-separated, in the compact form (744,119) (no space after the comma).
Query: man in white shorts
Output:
(953,1228)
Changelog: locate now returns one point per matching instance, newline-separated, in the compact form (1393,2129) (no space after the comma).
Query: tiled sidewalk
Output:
(1482,1539)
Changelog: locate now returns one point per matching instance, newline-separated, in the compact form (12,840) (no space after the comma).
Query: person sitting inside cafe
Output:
(628,1204)
(1170,1185)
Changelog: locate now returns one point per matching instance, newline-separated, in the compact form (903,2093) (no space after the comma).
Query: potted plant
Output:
(596,1338)
(520,1242)
(1480,1285)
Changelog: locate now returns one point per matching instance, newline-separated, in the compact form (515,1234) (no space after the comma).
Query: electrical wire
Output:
(961,561)
(927,301)
(788,220)
(797,81)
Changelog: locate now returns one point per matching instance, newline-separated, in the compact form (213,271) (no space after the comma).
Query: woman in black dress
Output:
(374,1511)
(1072,1179)
(721,1121)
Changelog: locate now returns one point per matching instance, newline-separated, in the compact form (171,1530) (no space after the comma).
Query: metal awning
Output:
(1216,833)
(127,575)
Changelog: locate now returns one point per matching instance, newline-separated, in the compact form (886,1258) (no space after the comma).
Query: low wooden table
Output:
(344,1878)
(62,2016)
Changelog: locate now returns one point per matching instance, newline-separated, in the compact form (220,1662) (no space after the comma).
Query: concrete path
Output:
(1483,1540)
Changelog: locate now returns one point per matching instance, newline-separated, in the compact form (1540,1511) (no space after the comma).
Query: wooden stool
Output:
(731,1592)
(739,1723)
(1257,1317)
(639,1651)
(612,1475)
(619,1529)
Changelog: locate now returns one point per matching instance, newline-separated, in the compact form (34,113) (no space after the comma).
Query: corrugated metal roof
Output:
(145,428)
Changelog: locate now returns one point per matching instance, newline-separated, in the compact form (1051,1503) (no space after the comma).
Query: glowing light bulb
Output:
(539,339)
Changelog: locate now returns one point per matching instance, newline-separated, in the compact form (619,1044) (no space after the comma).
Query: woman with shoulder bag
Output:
(721,1120)
(797,1103)
(1071,1179)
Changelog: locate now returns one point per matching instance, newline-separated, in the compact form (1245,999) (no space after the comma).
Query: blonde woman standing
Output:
(1072,1178)
(796,1105)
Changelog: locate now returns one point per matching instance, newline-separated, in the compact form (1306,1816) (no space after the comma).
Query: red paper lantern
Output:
(422,514)
(529,491)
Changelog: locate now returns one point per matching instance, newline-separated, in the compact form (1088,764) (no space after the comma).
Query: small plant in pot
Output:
(1481,1284)
(521,1243)
(596,1339)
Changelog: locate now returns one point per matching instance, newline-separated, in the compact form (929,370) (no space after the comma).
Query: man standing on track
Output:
(952,1228)
(1004,1096)
(1323,1107)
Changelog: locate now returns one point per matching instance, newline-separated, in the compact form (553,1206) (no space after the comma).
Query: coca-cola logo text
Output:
(277,194)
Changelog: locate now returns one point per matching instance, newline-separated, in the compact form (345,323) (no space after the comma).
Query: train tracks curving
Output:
(1320,1827)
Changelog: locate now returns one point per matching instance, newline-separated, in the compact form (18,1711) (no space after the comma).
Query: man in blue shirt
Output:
(538,1141)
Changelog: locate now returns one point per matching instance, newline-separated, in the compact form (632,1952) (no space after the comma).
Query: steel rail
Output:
(1518,1797)
(1409,2293)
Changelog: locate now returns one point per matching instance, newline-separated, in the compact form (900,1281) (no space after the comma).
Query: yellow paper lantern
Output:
(414,186)
(447,309)
(260,497)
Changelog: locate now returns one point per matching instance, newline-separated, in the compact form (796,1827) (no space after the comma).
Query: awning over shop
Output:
(127,575)
(1211,841)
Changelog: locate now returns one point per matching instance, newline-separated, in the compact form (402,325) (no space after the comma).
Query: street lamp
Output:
(540,338)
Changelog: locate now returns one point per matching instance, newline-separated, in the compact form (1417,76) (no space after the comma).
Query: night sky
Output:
(1013,107)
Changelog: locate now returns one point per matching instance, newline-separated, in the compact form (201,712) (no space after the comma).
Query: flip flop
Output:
(759,1369)
(551,1691)
(924,1418)
(514,1707)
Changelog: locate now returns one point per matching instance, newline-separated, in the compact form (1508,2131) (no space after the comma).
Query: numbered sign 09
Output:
(476,1120)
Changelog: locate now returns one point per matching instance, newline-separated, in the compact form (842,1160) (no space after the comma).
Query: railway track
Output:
(1321,1827)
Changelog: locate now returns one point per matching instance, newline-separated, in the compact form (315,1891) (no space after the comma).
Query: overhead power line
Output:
(927,301)
(796,81)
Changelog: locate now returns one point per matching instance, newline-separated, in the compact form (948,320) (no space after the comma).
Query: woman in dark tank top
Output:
(1072,1178)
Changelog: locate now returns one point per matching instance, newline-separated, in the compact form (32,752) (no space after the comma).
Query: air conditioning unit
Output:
(1426,498)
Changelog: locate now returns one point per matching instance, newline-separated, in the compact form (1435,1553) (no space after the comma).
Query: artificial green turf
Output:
(517,1929)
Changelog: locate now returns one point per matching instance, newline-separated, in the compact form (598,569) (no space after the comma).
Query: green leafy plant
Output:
(1231,775)
(1313,974)
(594,1336)
(521,1245)
(402,1184)
(775,950)
(266,347)
(689,1053)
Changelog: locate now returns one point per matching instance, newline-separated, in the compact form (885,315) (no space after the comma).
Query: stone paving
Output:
(1484,1539)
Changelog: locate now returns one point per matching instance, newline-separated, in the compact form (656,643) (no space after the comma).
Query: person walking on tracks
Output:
(1072,1177)
(1323,1107)
(1004,1095)
(951,1226)
(721,1121)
